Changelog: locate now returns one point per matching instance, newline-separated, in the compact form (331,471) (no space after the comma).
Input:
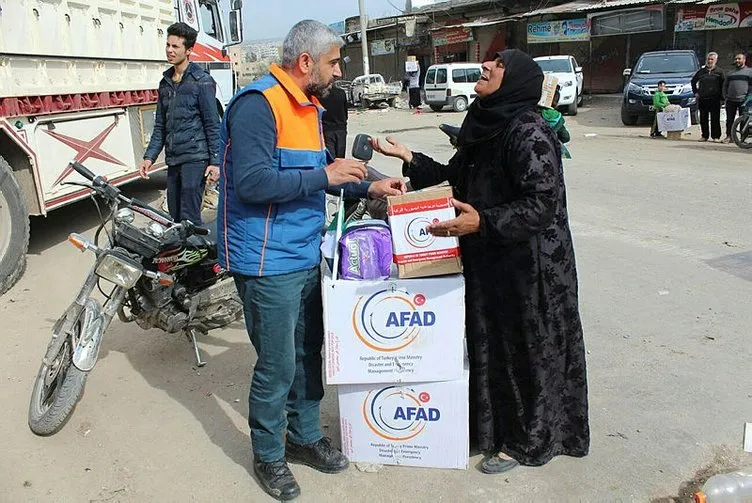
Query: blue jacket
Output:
(186,122)
(272,179)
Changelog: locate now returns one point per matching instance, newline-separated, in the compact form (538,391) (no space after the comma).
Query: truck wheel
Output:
(14,228)
(460,104)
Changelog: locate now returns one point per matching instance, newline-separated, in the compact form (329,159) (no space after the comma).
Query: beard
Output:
(318,87)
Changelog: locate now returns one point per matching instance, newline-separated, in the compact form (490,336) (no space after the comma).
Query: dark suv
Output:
(675,67)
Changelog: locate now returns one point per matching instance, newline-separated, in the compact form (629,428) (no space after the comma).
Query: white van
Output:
(451,84)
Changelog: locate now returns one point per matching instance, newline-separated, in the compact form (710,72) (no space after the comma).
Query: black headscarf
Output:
(520,91)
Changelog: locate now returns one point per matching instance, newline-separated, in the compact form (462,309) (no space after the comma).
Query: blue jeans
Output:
(185,190)
(283,316)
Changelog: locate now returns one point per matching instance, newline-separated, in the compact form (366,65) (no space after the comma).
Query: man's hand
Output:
(343,171)
(392,148)
(143,170)
(212,173)
(387,187)
(468,222)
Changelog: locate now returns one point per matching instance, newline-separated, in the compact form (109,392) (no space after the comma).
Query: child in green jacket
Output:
(660,102)
(556,121)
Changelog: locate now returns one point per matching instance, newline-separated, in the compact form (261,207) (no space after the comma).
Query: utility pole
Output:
(363,36)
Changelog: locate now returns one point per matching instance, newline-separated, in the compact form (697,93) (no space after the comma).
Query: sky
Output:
(265,19)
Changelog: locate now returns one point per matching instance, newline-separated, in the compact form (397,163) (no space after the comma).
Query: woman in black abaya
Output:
(528,390)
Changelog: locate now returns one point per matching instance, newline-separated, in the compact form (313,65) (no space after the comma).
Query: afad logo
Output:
(390,320)
(416,232)
(397,413)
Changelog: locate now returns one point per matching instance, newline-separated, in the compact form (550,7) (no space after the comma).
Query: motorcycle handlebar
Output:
(83,170)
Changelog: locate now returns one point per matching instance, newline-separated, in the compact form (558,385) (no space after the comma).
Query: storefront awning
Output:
(586,6)
(477,23)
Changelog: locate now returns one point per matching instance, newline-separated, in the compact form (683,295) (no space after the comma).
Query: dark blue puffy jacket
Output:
(186,122)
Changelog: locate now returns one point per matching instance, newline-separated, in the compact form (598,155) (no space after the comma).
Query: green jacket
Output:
(556,121)
(660,101)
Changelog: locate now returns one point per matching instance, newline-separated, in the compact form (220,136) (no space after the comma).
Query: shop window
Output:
(633,21)
(459,75)
(441,76)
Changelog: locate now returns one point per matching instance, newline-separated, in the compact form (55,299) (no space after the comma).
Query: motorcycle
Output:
(159,275)
(741,129)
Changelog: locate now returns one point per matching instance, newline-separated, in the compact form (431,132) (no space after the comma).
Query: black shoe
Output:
(277,479)
(318,455)
(494,464)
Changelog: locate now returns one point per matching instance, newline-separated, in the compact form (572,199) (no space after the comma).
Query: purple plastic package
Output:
(365,251)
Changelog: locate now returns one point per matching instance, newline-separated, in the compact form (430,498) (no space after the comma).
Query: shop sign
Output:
(452,36)
(714,17)
(567,30)
(382,47)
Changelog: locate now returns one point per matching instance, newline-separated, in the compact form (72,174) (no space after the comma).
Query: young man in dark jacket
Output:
(736,88)
(707,85)
(186,125)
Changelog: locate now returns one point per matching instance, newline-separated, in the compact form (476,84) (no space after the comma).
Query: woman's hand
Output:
(468,222)
(392,148)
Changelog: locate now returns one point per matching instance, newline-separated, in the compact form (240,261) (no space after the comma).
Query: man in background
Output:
(707,85)
(186,126)
(736,88)
(334,122)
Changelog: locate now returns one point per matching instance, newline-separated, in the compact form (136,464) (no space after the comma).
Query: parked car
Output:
(571,80)
(451,84)
(371,89)
(675,67)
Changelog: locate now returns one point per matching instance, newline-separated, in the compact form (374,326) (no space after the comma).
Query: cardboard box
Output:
(549,88)
(412,58)
(394,330)
(422,424)
(673,121)
(411,66)
(416,252)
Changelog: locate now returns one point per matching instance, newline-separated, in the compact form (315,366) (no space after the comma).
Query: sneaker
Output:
(702,139)
(319,455)
(727,139)
(276,479)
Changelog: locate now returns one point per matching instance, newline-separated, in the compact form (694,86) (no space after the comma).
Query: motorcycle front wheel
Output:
(740,132)
(58,386)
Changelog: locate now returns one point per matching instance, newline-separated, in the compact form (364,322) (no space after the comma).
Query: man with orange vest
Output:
(274,171)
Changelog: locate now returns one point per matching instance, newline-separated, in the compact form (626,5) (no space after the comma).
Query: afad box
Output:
(394,330)
(418,253)
(548,90)
(412,425)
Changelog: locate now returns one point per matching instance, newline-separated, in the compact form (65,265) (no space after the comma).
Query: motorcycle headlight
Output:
(119,270)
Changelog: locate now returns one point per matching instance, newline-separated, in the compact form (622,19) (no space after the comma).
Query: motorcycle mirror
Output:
(362,149)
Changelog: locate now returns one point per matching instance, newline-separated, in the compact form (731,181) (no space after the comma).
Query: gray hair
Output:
(311,37)
(713,54)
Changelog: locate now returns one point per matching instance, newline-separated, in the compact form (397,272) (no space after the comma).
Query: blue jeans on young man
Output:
(185,190)
(283,316)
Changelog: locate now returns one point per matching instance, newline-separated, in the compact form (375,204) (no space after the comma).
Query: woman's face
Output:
(491,78)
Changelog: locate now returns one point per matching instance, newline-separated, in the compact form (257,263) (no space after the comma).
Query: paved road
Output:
(664,252)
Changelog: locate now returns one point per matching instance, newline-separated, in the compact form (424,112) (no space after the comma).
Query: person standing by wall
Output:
(707,85)
(413,88)
(736,88)
(186,126)
(334,122)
